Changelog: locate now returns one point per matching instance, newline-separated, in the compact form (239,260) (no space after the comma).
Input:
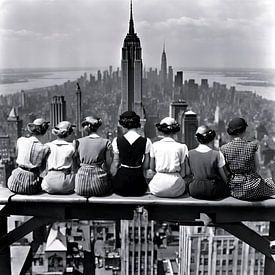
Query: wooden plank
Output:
(5,195)
(19,232)
(50,199)
(248,236)
(146,200)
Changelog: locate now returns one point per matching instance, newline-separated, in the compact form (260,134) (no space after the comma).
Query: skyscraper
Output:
(131,71)
(58,110)
(137,244)
(177,110)
(190,126)
(163,72)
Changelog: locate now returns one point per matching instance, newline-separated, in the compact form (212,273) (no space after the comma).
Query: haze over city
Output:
(204,33)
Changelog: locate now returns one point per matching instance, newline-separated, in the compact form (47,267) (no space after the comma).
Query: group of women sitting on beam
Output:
(132,166)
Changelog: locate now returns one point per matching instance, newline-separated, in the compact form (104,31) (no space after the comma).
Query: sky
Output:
(90,33)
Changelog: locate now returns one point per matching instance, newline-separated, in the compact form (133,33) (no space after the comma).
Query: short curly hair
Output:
(129,120)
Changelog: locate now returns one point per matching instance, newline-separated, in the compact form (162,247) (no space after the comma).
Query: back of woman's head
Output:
(236,126)
(38,127)
(204,134)
(168,125)
(63,129)
(91,123)
(129,120)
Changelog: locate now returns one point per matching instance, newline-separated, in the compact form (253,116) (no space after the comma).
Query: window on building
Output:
(41,261)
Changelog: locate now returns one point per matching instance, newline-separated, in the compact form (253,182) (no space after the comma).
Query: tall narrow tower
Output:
(131,67)
(78,110)
(163,72)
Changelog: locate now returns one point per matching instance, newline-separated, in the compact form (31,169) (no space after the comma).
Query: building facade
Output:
(58,110)
(206,250)
(137,245)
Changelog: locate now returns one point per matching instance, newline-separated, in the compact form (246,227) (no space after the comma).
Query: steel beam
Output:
(9,238)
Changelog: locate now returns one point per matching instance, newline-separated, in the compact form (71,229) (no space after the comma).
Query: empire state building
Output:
(131,72)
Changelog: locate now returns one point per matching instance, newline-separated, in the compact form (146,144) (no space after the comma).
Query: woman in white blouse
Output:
(60,177)
(169,160)
(31,159)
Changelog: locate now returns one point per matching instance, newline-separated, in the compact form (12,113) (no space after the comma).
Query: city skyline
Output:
(212,33)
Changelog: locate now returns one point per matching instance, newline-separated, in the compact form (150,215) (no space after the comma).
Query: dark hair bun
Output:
(91,123)
(167,129)
(206,137)
(168,125)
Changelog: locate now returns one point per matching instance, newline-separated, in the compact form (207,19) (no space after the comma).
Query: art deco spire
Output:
(131,22)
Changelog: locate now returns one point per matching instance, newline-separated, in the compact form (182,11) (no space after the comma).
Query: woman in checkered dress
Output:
(240,155)
(95,157)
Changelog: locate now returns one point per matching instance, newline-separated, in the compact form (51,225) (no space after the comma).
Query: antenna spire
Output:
(131,22)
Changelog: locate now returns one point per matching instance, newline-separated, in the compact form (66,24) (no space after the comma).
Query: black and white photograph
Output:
(137,137)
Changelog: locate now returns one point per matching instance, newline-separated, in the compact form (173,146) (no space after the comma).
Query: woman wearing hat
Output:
(240,155)
(95,157)
(131,158)
(207,166)
(31,159)
(60,177)
(169,160)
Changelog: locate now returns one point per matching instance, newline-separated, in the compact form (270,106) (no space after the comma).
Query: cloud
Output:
(23,34)
(9,34)
(92,31)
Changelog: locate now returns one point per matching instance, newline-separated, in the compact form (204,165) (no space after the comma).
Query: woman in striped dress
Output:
(60,177)
(95,157)
(240,155)
(31,160)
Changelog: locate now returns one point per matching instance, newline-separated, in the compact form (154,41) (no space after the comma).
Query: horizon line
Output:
(144,67)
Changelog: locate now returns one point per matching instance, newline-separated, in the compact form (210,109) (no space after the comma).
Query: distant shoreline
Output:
(256,84)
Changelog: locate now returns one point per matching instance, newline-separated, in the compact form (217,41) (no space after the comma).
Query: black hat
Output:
(236,126)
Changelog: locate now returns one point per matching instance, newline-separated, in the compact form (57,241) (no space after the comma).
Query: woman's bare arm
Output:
(146,162)
(115,164)
(223,173)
